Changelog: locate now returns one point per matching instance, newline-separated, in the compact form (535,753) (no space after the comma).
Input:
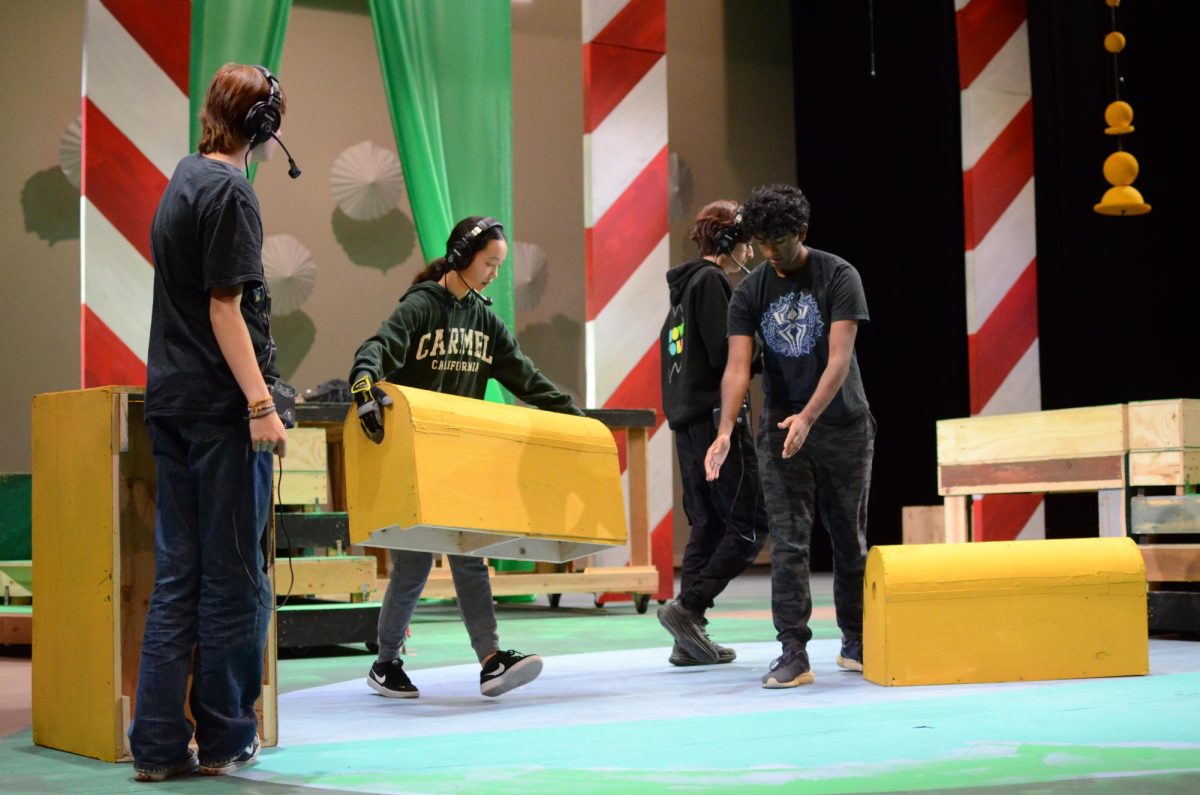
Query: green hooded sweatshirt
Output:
(435,341)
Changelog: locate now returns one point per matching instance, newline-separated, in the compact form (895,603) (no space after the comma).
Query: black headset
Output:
(458,253)
(725,238)
(264,117)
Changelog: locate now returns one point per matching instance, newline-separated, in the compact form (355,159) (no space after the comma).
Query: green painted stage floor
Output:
(609,715)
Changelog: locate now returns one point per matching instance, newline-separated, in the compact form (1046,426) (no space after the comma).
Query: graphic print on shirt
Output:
(792,325)
(675,342)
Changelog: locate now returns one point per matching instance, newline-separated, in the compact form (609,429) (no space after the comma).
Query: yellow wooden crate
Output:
(465,476)
(93,560)
(1004,611)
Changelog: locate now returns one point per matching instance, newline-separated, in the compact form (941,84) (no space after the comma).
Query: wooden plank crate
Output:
(93,561)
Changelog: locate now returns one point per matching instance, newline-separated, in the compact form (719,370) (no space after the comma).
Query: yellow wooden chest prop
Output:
(1004,611)
(469,477)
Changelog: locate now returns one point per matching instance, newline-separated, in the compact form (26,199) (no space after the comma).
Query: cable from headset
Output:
(237,545)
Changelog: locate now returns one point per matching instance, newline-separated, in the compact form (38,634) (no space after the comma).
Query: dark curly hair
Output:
(773,211)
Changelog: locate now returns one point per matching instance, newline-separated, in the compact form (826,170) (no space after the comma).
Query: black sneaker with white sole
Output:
(508,670)
(388,679)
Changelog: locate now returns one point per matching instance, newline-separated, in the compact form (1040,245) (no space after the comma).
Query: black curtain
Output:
(880,159)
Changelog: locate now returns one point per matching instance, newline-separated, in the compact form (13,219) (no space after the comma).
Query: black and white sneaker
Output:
(248,756)
(508,670)
(388,679)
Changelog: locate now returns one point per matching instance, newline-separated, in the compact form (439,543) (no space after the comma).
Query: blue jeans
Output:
(211,596)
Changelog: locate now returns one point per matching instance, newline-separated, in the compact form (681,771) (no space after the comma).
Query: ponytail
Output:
(433,272)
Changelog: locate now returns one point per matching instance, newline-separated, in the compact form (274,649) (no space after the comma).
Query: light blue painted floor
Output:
(621,721)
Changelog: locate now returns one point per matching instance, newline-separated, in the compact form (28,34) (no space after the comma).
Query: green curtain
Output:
(447,73)
(233,31)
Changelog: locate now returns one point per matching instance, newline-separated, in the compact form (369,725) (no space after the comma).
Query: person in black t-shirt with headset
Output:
(816,440)
(214,429)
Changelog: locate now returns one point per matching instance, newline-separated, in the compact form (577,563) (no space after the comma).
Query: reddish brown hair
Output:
(711,219)
(233,91)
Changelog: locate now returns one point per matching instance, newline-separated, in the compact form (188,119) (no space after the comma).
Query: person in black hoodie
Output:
(727,516)
(443,337)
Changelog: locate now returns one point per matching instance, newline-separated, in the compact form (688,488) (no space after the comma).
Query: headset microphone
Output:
(486,301)
(293,169)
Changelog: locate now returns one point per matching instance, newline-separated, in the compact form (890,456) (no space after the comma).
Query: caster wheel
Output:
(554,598)
(641,602)
(372,647)
(598,602)
(662,601)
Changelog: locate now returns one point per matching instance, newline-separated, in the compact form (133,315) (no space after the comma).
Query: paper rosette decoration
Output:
(366,181)
(291,273)
(529,274)
(70,147)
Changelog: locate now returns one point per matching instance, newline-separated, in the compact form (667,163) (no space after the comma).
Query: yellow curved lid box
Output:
(469,477)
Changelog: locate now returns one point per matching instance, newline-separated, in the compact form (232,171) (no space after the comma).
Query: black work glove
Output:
(370,400)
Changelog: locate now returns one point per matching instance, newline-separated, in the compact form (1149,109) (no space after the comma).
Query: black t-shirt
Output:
(793,315)
(207,233)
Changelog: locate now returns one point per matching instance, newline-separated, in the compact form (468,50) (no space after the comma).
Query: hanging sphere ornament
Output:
(1119,116)
(1120,168)
(1114,42)
(1113,3)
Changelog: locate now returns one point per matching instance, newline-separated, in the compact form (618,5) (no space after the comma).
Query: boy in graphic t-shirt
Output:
(817,436)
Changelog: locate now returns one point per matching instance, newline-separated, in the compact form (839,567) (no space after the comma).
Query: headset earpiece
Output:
(458,253)
(264,117)
(727,237)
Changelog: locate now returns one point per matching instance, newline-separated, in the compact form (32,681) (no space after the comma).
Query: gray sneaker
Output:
(688,630)
(680,657)
(790,669)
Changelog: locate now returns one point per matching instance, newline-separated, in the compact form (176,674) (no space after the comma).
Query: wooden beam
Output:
(1167,515)
(1070,474)
(1164,424)
(923,524)
(1164,468)
(343,575)
(957,519)
(1065,433)
(1172,562)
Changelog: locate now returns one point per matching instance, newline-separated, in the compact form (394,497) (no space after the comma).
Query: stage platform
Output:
(618,719)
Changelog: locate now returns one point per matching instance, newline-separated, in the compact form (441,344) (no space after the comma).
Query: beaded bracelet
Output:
(258,404)
(263,411)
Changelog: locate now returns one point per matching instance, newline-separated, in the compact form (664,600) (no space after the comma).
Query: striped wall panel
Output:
(626,231)
(1000,234)
(135,129)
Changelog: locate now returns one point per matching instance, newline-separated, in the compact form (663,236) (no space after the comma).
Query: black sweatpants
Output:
(832,470)
(728,516)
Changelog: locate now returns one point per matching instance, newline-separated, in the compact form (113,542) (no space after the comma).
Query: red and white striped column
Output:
(626,205)
(135,129)
(1001,251)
